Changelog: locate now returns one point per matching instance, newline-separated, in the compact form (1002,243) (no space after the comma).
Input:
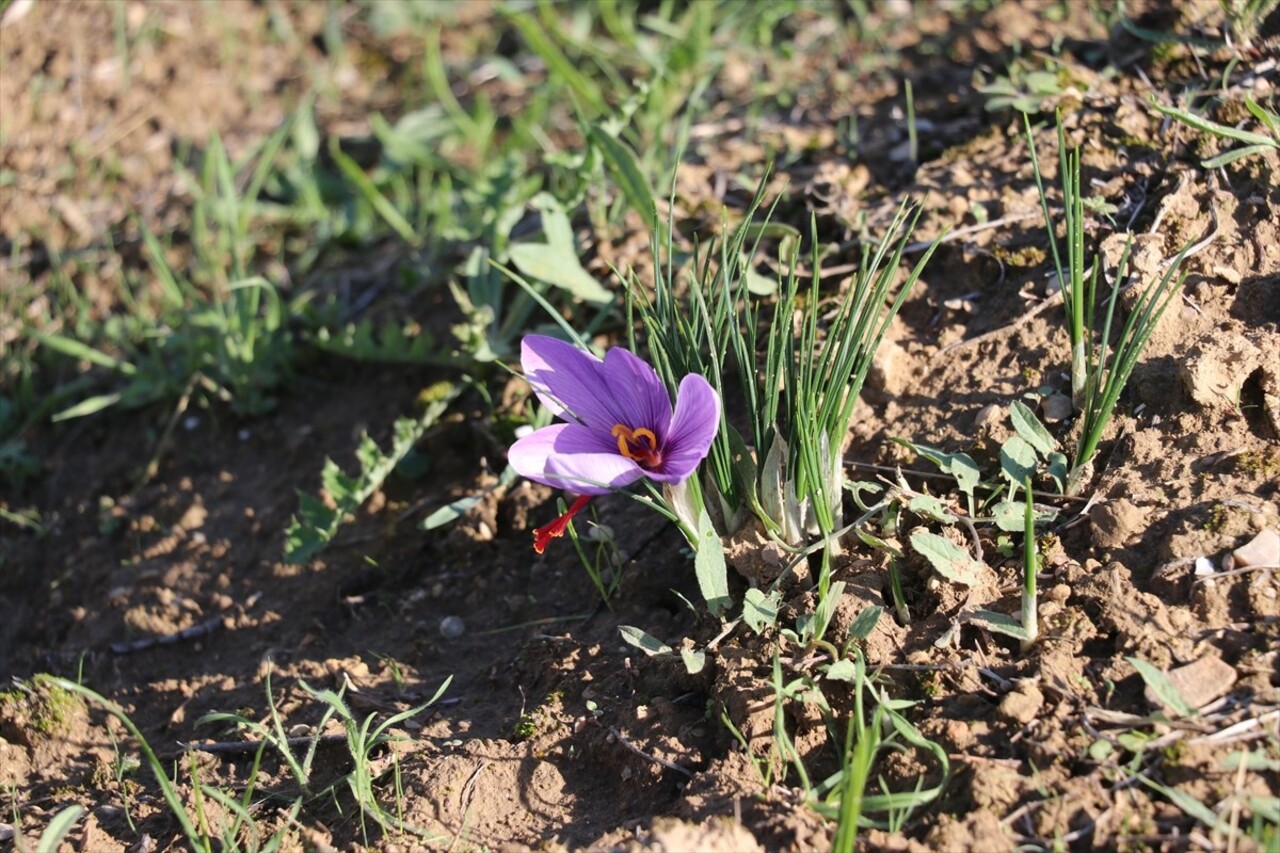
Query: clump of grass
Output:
(1103,352)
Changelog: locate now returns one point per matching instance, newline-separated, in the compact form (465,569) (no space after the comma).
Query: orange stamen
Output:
(629,445)
(542,536)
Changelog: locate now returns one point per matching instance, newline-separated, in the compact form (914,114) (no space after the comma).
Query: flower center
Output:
(639,445)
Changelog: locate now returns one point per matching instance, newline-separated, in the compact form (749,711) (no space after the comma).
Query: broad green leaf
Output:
(1030,428)
(1058,468)
(1017,459)
(930,507)
(646,643)
(1009,516)
(560,267)
(1169,695)
(959,465)
(556,226)
(694,660)
(759,610)
(843,670)
(947,558)
(757,284)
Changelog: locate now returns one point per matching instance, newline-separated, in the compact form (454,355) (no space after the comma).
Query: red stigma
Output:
(543,535)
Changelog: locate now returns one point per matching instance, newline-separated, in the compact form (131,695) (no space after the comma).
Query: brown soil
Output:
(553,732)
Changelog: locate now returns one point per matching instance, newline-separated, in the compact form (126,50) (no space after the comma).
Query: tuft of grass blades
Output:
(1100,369)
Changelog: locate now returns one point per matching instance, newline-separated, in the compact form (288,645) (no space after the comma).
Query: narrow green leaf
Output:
(58,829)
(1234,155)
(559,65)
(352,171)
(646,643)
(625,169)
(1268,118)
(866,622)
(1187,803)
(999,623)
(77,349)
(709,566)
(88,407)
(1204,124)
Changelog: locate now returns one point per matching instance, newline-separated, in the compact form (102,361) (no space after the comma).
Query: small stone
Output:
(1056,408)
(1117,523)
(1204,567)
(1199,682)
(452,627)
(1214,373)
(1022,704)
(889,371)
(988,415)
(1261,550)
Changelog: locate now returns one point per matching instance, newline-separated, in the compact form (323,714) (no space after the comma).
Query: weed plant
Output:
(1101,363)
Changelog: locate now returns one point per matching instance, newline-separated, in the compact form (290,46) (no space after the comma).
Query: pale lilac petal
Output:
(574,458)
(593,473)
(569,381)
(693,427)
(640,399)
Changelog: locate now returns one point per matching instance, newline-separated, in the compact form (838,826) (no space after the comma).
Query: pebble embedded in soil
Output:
(1200,682)
(1022,705)
(1214,373)
(1261,550)
(1117,523)
(1056,408)
(452,627)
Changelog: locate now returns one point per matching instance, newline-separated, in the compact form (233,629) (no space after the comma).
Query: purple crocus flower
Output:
(621,426)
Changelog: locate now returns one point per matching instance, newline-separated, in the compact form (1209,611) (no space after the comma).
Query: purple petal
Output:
(693,427)
(640,400)
(573,458)
(569,381)
(593,473)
